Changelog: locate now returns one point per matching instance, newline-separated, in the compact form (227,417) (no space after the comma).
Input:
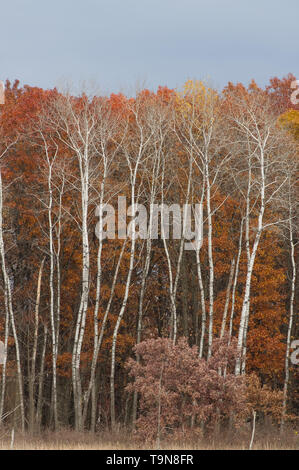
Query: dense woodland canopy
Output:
(213,326)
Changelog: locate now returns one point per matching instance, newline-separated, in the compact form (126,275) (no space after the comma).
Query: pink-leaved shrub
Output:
(180,393)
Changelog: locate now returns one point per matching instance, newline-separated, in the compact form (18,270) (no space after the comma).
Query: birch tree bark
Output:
(32,378)
(204,138)
(106,132)
(75,123)
(260,147)
(293,204)
(9,307)
(133,158)
(4,364)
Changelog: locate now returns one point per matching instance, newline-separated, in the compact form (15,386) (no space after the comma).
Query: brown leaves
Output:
(186,388)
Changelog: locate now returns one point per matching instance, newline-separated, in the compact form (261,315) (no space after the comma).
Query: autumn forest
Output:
(137,333)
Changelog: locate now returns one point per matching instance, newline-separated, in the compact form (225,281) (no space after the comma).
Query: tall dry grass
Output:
(66,439)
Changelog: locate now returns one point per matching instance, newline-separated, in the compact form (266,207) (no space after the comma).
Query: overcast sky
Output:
(120,43)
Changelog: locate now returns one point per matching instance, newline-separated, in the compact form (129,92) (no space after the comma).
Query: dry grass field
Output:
(70,440)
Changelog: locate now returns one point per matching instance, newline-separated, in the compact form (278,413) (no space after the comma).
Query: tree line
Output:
(77,309)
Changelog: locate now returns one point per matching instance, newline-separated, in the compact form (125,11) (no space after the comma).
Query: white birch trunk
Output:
(246,300)
(235,282)
(81,320)
(228,291)
(211,262)
(291,320)
(34,352)
(8,301)
(41,381)
(3,381)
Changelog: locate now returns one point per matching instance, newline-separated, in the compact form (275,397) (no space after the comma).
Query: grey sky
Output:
(118,43)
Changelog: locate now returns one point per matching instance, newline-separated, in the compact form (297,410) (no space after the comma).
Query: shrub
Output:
(180,392)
